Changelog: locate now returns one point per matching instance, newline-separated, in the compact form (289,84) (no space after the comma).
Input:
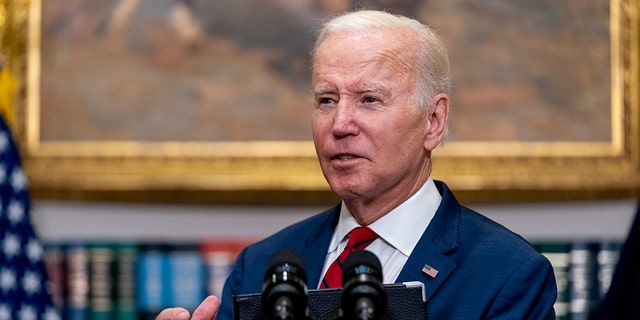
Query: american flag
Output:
(23,281)
(429,270)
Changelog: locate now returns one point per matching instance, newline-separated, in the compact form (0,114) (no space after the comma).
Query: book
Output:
(77,262)
(558,255)
(101,280)
(125,307)
(124,280)
(187,276)
(55,264)
(582,279)
(153,281)
(608,255)
(219,257)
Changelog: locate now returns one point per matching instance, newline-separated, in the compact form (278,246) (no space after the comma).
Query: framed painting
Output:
(208,102)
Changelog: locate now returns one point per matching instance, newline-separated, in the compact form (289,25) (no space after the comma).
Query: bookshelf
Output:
(177,254)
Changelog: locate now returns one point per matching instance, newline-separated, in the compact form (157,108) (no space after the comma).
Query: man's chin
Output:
(346,191)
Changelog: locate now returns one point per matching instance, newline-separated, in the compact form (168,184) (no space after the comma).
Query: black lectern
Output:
(404,302)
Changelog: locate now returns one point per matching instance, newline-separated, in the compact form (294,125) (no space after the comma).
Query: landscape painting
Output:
(200,70)
(210,101)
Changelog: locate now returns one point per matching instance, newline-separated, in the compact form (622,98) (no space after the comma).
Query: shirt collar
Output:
(403,226)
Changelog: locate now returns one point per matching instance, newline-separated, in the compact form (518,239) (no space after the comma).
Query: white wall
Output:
(58,220)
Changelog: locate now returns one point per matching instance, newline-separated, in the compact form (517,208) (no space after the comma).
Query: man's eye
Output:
(369,100)
(324,100)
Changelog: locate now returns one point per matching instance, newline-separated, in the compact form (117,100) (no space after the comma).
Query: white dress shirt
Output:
(399,231)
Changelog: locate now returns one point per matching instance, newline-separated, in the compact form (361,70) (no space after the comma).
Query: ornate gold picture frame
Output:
(286,172)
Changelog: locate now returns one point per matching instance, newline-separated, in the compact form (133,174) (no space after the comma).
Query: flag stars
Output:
(5,312)
(23,290)
(7,280)
(31,282)
(16,212)
(11,245)
(27,312)
(51,314)
(18,179)
(34,251)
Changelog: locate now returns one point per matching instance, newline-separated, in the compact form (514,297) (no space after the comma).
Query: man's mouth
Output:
(344,157)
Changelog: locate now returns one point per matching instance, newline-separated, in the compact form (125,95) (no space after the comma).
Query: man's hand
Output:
(207,310)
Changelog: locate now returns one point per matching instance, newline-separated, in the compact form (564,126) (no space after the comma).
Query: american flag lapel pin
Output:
(430,271)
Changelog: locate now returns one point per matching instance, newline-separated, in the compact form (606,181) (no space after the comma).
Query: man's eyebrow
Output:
(366,89)
(369,89)
(322,90)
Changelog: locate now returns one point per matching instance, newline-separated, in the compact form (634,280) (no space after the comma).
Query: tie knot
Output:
(361,237)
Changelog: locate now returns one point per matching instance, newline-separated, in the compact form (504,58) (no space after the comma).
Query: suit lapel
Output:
(441,237)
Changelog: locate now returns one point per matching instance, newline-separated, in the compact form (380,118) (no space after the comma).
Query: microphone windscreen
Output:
(287,258)
(355,262)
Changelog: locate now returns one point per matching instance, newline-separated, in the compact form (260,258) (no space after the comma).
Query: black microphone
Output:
(363,296)
(284,291)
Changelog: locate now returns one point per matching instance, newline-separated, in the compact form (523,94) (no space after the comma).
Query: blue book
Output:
(187,273)
(154,291)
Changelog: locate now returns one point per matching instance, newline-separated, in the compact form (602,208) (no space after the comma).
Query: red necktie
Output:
(359,238)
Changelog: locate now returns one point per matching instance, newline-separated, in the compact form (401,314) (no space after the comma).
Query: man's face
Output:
(368,130)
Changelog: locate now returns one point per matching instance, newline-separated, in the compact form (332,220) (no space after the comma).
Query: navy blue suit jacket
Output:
(484,270)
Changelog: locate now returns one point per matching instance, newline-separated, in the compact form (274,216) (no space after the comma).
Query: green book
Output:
(558,254)
(102,259)
(125,292)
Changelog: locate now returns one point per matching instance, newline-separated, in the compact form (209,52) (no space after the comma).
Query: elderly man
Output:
(381,86)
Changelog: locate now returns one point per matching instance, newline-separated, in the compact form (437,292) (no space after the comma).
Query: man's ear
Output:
(437,121)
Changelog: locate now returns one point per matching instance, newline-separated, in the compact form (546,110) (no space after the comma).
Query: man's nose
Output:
(344,120)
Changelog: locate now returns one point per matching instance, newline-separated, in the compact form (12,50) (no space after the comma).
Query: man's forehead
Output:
(391,47)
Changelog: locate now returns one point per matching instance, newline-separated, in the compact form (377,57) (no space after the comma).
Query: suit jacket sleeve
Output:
(536,302)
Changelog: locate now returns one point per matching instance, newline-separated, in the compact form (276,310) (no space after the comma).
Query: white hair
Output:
(432,76)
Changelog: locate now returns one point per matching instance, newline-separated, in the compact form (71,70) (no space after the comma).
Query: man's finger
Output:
(173,314)
(208,309)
